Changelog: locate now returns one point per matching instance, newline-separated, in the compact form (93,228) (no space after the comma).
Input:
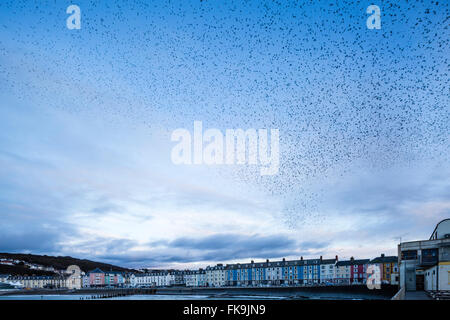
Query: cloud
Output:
(33,226)
(314,245)
(95,246)
(37,240)
(85,162)
(29,235)
(107,208)
(218,247)
(232,241)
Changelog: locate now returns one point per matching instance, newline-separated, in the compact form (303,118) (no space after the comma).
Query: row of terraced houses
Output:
(268,273)
(274,273)
(423,264)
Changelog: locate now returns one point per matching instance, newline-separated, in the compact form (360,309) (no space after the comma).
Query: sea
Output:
(133,297)
(10,295)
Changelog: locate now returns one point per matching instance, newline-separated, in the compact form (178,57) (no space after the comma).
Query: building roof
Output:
(280,263)
(442,224)
(139,275)
(328,261)
(385,259)
(352,262)
(114,272)
(96,270)
(217,267)
(38,278)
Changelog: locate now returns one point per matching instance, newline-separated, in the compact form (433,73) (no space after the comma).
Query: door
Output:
(420,282)
(410,279)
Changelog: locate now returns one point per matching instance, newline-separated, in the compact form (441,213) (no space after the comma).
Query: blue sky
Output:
(86,117)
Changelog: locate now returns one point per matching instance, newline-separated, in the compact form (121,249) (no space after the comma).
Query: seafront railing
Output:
(400,295)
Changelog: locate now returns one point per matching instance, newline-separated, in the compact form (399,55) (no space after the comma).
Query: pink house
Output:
(96,277)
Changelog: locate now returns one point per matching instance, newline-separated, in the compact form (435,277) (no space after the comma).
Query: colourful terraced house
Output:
(388,268)
(100,278)
(274,273)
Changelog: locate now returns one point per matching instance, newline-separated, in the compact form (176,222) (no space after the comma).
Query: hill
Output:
(58,262)
(19,270)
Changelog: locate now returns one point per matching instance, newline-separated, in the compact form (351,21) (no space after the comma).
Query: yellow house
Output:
(388,268)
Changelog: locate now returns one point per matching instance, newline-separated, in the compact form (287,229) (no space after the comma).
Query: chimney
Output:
(337,258)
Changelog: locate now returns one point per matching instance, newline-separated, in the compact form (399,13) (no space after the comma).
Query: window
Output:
(409,255)
(429,256)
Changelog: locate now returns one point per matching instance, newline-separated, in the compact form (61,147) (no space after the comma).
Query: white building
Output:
(215,276)
(177,278)
(7,262)
(32,282)
(85,281)
(189,278)
(196,278)
(437,278)
(426,264)
(327,270)
(4,278)
(140,280)
(157,278)
(342,272)
(274,274)
(200,278)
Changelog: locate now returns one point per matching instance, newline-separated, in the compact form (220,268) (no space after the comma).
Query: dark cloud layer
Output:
(217,248)
(36,240)
(253,243)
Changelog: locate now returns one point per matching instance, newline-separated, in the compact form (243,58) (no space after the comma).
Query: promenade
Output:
(318,292)
(416,295)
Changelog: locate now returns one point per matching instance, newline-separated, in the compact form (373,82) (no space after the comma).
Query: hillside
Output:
(23,270)
(58,262)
